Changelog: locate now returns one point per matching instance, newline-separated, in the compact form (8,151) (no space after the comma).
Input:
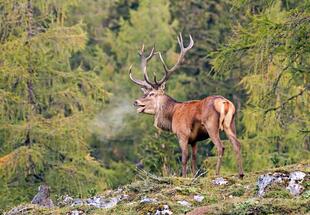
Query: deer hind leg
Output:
(220,153)
(231,134)
(194,158)
(215,138)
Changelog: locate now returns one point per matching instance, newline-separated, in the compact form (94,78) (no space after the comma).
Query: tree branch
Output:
(289,99)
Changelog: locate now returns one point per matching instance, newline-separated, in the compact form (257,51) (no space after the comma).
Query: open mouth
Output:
(140,108)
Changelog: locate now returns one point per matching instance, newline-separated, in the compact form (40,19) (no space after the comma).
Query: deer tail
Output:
(221,110)
(226,109)
(229,115)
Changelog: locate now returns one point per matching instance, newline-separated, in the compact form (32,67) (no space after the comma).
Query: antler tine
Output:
(151,54)
(168,72)
(136,81)
(144,61)
(165,68)
(180,40)
(155,79)
(191,43)
(141,52)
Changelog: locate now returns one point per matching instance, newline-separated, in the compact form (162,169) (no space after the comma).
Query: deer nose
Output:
(135,103)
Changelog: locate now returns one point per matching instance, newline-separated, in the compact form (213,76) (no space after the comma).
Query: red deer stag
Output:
(191,121)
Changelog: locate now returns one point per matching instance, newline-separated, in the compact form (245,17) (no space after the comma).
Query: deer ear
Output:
(162,86)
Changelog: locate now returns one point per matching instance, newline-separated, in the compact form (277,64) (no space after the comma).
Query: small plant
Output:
(250,207)
(306,194)
(211,199)
(243,207)
(92,192)
(237,191)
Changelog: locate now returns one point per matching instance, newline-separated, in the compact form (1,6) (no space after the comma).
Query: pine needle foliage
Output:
(271,51)
(45,106)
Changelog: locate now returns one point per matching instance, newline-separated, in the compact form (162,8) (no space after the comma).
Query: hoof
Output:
(241,176)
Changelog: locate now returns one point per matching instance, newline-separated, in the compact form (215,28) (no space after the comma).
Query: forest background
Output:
(66,114)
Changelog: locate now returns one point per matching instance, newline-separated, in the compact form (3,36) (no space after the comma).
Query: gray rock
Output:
(76,212)
(110,203)
(147,200)
(64,201)
(220,181)
(266,180)
(96,201)
(164,211)
(263,182)
(118,191)
(294,185)
(21,209)
(198,198)
(77,202)
(42,198)
(184,203)
(101,202)
(295,189)
(297,176)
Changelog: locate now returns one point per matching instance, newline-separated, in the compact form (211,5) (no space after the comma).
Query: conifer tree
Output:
(45,106)
(271,52)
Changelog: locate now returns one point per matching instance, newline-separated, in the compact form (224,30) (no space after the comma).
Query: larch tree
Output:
(271,52)
(45,105)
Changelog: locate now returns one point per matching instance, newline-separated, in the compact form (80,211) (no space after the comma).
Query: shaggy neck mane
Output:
(164,113)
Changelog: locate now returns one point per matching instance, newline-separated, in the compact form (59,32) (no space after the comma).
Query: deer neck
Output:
(164,113)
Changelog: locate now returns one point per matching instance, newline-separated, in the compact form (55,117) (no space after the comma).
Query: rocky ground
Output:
(283,190)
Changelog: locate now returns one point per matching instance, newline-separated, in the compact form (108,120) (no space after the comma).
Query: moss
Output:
(211,199)
(277,191)
(306,183)
(250,207)
(144,186)
(146,208)
(179,181)
(187,190)
(281,193)
(121,209)
(260,206)
(306,194)
(237,191)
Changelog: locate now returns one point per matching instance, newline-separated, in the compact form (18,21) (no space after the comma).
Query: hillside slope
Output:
(174,195)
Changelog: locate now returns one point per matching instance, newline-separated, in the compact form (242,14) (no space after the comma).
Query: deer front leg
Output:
(184,149)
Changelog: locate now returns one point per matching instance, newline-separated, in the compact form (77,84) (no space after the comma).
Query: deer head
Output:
(154,92)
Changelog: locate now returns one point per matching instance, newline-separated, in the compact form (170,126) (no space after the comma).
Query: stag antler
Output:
(168,72)
(144,60)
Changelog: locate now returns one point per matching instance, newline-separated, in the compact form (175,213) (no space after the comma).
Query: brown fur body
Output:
(198,120)
(191,121)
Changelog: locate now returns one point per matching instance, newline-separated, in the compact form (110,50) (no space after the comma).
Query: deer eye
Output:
(151,94)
